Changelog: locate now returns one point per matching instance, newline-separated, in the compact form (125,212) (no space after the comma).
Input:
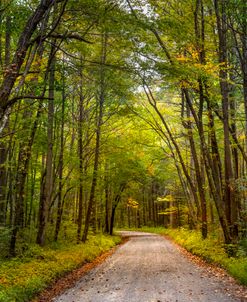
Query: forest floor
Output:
(151,268)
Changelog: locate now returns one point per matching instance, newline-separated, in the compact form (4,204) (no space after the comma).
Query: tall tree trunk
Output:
(81,168)
(21,174)
(199,179)
(3,183)
(169,136)
(24,158)
(200,40)
(48,182)
(129,220)
(33,180)
(114,206)
(3,147)
(98,138)
(106,199)
(243,39)
(1,45)
(7,41)
(211,168)
(60,168)
(229,185)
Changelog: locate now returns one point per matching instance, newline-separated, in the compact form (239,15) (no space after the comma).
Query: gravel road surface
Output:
(149,268)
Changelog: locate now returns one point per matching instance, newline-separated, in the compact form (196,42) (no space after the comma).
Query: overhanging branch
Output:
(31,97)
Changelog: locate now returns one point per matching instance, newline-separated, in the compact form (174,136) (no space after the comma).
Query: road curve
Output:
(149,268)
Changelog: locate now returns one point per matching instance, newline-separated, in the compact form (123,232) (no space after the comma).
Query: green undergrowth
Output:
(24,277)
(211,249)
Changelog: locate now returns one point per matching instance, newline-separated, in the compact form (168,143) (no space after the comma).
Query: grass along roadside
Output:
(210,249)
(24,277)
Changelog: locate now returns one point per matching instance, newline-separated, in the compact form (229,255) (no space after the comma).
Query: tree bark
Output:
(98,138)
(106,200)
(12,71)
(153,103)
(3,147)
(114,206)
(200,184)
(229,185)
(81,168)
(60,171)
(211,166)
(48,182)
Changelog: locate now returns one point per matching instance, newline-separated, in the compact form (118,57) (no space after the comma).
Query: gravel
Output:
(150,268)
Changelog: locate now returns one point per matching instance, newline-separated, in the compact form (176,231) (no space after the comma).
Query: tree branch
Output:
(31,97)
(70,36)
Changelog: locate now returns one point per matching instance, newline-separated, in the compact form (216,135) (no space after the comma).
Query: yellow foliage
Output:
(182,59)
(17,277)
(169,211)
(132,203)
(167,198)
(150,169)
(241,137)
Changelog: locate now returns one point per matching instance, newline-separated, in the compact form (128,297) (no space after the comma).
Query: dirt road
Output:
(149,268)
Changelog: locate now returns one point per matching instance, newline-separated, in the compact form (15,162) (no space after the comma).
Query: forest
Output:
(123,114)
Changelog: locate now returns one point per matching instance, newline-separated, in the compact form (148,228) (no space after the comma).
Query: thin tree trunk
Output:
(33,180)
(199,179)
(211,168)
(229,186)
(153,103)
(60,172)
(106,200)
(98,138)
(7,41)
(1,45)
(200,40)
(48,182)
(3,183)
(3,148)
(114,206)
(81,168)
(243,39)
(21,174)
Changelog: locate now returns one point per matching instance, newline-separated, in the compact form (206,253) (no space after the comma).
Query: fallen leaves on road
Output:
(213,270)
(70,279)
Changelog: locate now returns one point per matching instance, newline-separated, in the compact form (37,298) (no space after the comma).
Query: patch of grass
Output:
(24,277)
(211,249)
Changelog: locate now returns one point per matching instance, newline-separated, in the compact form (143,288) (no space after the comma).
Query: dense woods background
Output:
(127,112)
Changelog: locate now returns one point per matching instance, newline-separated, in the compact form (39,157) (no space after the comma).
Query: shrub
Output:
(23,277)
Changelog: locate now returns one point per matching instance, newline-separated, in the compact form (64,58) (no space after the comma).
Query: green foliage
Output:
(144,137)
(210,249)
(4,240)
(21,278)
